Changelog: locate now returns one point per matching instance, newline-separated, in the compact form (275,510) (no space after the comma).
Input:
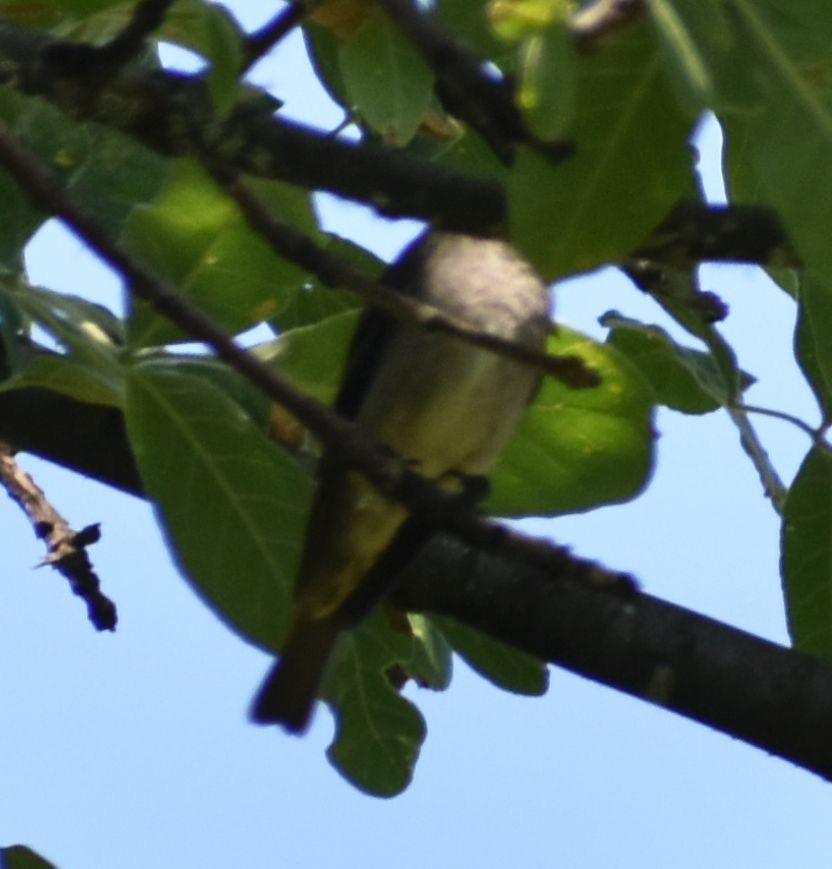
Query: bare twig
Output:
(333,271)
(773,486)
(678,293)
(816,434)
(67,549)
(262,41)
(346,441)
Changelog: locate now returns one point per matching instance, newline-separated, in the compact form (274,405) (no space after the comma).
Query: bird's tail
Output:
(288,694)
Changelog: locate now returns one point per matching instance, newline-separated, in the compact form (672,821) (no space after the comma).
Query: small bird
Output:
(443,404)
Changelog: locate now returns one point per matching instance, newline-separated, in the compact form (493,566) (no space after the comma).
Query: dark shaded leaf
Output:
(502,665)
(233,505)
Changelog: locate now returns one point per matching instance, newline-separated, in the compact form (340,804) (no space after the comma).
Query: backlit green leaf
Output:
(194,235)
(579,448)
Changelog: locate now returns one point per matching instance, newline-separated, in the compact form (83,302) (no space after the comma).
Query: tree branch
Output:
(67,549)
(172,114)
(262,41)
(774,698)
(771,697)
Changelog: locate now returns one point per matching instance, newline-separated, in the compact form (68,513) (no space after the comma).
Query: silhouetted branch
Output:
(173,115)
(774,698)
(66,549)
(262,41)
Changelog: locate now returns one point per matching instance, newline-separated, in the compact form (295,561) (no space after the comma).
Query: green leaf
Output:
(313,302)
(579,448)
(13,355)
(46,13)
(211,31)
(323,47)
(21,857)
(689,68)
(806,562)
(386,79)
(503,665)
(194,235)
(79,380)
(813,339)
(683,379)
(232,505)
(49,136)
(108,185)
(91,369)
(468,23)
(632,163)
(431,662)
(378,734)
(771,86)
(117,176)
(228,381)
(548,79)
(517,19)
(312,357)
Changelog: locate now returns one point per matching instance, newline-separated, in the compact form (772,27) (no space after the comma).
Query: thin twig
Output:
(773,486)
(678,293)
(347,442)
(335,272)
(67,549)
(262,41)
(815,434)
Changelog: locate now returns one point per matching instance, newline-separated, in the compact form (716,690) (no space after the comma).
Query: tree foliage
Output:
(573,139)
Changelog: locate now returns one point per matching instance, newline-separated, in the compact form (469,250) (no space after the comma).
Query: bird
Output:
(443,404)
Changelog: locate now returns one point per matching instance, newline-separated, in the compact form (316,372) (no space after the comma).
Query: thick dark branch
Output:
(89,439)
(694,232)
(769,696)
(774,698)
(66,549)
(172,114)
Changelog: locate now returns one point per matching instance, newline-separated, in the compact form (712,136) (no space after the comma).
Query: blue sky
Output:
(133,750)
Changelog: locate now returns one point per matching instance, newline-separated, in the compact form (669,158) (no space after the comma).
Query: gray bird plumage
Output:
(447,406)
